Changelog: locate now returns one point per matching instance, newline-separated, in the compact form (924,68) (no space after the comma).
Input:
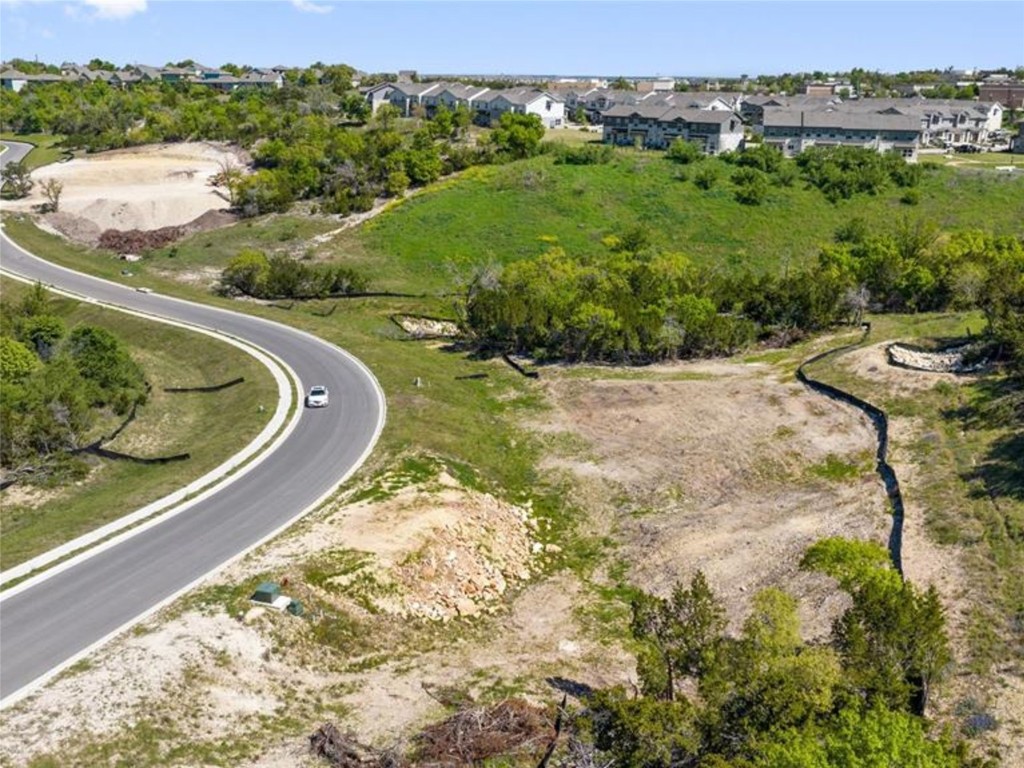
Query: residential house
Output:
(656,126)
(1009,94)
(376,95)
(13,80)
(524,101)
(946,120)
(794,130)
(728,102)
(753,108)
(408,96)
(457,95)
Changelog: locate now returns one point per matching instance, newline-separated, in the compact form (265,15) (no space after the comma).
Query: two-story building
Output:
(656,126)
(523,101)
(793,131)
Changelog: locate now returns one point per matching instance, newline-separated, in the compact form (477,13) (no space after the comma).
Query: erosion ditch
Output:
(880,420)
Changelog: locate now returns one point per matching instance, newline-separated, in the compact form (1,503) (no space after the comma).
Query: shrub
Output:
(684,152)
(705,178)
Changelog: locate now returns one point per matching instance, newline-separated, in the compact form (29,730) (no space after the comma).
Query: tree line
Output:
(309,140)
(766,698)
(633,304)
(253,273)
(58,384)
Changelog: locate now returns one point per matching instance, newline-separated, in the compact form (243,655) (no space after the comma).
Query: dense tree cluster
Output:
(57,383)
(301,135)
(841,172)
(621,306)
(632,304)
(253,273)
(766,697)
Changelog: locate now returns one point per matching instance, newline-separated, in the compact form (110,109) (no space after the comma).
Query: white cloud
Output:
(46,34)
(116,9)
(307,7)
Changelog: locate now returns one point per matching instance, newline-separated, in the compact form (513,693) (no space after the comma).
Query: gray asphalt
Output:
(49,623)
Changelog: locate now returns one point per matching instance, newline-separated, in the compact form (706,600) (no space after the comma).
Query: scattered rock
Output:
(941,361)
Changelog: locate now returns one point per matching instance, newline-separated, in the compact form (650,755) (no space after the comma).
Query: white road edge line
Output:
(34,685)
(212,481)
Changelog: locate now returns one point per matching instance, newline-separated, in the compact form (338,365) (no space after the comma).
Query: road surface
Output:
(48,625)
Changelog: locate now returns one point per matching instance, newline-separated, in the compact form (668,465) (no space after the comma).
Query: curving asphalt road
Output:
(51,623)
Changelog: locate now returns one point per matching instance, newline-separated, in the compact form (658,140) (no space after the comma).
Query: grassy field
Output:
(210,426)
(502,213)
(980,160)
(465,422)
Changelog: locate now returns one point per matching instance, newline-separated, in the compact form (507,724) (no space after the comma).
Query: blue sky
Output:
(543,37)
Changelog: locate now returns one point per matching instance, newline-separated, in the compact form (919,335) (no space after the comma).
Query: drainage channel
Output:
(881,423)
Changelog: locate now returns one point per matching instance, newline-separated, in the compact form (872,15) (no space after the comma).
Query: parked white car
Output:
(317,397)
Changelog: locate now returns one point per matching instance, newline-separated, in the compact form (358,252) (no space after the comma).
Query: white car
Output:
(317,397)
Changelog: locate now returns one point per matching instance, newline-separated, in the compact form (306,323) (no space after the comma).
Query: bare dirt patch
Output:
(718,474)
(712,466)
(142,188)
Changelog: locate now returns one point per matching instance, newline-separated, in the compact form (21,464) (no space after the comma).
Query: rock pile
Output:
(427,328)
(949,360)
(464,567)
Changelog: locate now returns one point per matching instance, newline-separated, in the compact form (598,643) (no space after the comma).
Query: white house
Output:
(524,101)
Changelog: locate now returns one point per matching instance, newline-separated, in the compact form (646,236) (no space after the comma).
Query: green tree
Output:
(857,738)
(16,360)
(17,179)
(247,273)
(684,630)
(892,639)
(43,332)
(106,365)
(768,678)
(517,136)
(706,177)
(684,152)
(52,191)
(642,732)
(751,186)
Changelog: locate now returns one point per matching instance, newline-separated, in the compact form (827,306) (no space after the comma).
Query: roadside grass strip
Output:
(32,571)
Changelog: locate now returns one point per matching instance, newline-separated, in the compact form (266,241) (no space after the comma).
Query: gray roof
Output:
(416,89)
(652,111)
(699,115)
(523,96)
(666,113)
(793,118)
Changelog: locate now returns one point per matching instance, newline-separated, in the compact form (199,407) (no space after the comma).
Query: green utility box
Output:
(267,592)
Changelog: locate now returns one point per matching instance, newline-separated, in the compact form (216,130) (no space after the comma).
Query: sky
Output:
(544,37)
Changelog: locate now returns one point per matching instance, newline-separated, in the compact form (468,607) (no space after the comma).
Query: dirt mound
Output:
(143,188)
(137,241)
(464,566)
(433,550)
